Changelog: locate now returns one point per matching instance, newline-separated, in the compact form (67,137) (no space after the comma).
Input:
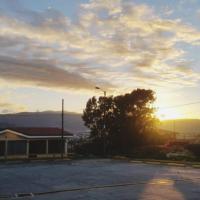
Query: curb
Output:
(153,163)
(176,164)
(121,158)
(197,166)
(136,161)
(159,162)
(13,162)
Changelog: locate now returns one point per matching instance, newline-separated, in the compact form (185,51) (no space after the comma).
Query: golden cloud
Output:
(111,38)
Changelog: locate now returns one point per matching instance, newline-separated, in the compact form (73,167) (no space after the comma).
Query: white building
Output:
(33,142)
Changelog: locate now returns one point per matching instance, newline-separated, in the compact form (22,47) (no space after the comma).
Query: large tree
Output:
(124,122)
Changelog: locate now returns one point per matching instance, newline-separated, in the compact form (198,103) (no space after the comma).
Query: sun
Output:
(164,114)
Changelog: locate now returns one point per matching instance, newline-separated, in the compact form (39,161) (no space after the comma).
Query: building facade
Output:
(33,142)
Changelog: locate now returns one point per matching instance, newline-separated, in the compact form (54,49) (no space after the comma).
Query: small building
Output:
(33,142)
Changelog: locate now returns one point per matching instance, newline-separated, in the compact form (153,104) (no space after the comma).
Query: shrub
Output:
(88,147)
(181,155)
(195,149)
(152,152)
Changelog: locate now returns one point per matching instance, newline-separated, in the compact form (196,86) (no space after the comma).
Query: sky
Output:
(54,49)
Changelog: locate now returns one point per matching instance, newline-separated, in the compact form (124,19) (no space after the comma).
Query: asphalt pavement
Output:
(98,179)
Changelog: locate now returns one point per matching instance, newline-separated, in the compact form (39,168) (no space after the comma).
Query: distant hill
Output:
(186,127)
(182,125)
(72,121)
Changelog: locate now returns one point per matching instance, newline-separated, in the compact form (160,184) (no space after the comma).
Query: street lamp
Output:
(104,92)
(104,119)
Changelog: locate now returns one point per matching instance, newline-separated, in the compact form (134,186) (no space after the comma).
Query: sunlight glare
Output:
(164,114)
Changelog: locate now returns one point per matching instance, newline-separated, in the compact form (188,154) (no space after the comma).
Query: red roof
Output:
(40,131)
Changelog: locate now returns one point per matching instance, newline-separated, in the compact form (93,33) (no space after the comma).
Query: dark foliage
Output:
(88,147)
(195,149)
(150,152)
(123,122)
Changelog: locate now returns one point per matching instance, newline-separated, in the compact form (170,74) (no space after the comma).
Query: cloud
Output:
(7,107)
(42,73)
(112,43)
(168,11)
(198,12)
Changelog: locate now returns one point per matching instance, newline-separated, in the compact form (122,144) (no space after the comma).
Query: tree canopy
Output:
(123,122)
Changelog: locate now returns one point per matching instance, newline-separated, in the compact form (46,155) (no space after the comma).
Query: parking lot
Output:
(98,179)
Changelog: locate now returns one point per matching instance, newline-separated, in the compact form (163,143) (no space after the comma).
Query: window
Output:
(2,148)
(37,147)
(17,147)
(55,146)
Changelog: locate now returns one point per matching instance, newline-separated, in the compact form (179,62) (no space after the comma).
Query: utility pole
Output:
(174,130)
(62,134)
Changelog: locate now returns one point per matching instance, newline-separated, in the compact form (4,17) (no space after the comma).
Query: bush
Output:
(88,147)
(151,152)
(195,149)
(182,155)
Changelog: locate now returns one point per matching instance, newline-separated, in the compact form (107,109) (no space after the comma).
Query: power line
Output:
(180,105)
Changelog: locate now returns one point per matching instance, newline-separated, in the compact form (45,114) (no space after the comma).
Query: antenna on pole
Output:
(62,135)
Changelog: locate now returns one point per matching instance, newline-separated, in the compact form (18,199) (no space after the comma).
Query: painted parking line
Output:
(24,195)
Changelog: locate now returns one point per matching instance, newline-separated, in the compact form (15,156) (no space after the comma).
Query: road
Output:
(98,179)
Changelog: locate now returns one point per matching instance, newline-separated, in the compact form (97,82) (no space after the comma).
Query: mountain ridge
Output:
(74,123)
(181,125)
